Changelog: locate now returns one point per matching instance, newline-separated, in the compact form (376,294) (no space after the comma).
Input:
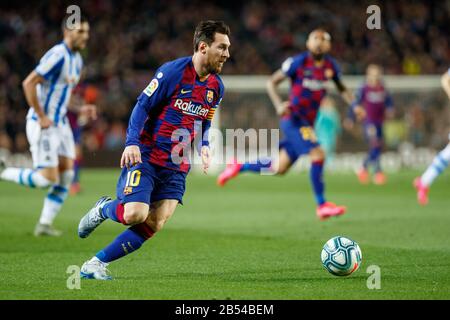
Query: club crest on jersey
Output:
(209,96)
(151,88)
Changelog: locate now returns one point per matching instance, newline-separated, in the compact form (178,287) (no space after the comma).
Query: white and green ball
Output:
(341,256)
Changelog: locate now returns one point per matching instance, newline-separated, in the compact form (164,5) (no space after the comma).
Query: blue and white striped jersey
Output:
(61,68)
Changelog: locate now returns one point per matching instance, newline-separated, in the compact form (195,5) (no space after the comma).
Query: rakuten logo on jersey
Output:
(191,108)
(313,84)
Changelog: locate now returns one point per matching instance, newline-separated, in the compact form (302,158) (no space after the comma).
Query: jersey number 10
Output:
(133,178)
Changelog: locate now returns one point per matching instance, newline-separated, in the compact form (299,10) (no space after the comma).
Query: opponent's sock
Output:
(55,198)
(316,176)
(440,162)
(256,167)
(127,242)
(25,177)
(114,210)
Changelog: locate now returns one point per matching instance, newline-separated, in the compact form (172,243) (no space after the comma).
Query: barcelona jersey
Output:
(375,100)
(171,111)
(308,79)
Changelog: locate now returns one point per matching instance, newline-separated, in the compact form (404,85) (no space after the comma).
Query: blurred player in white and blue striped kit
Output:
(48,91)
(440,161)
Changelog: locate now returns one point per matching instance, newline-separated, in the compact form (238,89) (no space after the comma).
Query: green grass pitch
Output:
(257,238)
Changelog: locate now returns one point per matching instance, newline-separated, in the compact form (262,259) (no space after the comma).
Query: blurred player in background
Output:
(48,91)
(328,127)
(308,72)
(372,105)
(440,162)
(78,121)
(182,97)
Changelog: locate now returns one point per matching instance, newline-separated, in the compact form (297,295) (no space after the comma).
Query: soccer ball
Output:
(341,256)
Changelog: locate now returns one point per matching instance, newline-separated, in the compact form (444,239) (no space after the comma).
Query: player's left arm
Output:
(205,151)
(346,94)
(445,81)
(388,103)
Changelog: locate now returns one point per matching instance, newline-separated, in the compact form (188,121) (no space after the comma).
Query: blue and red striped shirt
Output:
(308,79)
(171,111)
(375,100)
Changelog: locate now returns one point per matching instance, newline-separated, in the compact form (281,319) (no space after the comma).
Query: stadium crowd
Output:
(130,39)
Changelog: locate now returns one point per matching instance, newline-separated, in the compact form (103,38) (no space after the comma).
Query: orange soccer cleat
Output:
(329,209)
(379,178)
(231,171)
(422,191)
(363,176)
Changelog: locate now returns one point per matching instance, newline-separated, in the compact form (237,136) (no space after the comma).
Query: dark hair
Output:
(83,18)
(206,30)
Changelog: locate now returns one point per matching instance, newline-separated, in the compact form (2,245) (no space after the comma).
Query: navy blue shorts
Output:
(299,139)
(77,135)
(147,183)
(373,133)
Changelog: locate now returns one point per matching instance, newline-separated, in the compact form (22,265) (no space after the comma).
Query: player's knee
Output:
(50,175)
(133,216)
(282,171)
(317,154)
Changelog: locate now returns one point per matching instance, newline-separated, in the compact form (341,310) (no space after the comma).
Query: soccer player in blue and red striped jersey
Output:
(178,104)
(309,71)
(373,103)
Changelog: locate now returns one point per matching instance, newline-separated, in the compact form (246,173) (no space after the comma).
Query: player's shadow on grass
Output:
(254,276)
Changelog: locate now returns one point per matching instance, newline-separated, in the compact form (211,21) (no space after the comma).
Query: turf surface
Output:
(257,238)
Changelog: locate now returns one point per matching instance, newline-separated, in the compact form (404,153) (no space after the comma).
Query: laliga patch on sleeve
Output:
(151,88)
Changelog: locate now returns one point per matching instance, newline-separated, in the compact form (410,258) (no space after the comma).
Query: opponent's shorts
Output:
(147,183)
(299,138)
(46,145)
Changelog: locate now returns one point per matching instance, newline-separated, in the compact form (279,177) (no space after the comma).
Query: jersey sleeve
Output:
(388,102)
(337,74)
(291,64)
(50,64)
(157,92)
(358,99)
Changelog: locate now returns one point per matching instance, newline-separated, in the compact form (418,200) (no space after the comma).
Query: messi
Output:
(191,108)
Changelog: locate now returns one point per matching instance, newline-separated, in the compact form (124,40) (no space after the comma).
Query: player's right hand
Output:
(349,124)
(45,122)
(130,156)
(283,108)
(360,113)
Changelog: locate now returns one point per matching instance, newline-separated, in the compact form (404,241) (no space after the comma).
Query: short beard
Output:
(317,56)
(211,69)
